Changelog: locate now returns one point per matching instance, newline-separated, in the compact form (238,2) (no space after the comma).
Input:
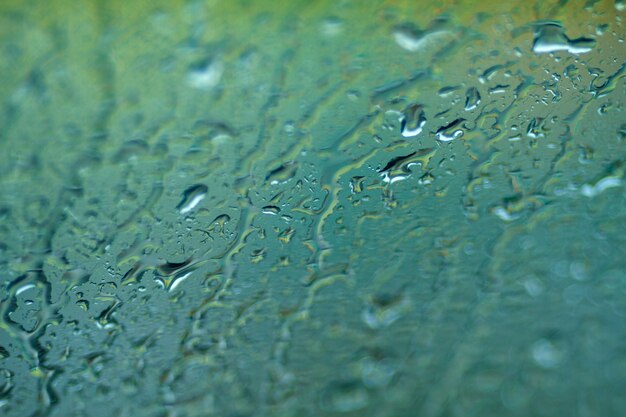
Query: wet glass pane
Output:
(312,208)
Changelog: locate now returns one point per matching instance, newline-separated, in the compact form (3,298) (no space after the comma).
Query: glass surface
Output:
(312,208)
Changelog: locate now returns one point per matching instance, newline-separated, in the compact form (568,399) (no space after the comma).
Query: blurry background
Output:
(305,208)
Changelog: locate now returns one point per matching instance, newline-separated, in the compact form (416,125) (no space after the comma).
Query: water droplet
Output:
(412,120)
(535,128)
(589,190)
(601,29)
(178,280)
(550,37)
(192,196)
(399,168)
(205,75)
(356,184)
(472,98)
(450,131)
(411,39)
(533,286)
(546,354)
(377,373)
(384,310)
(345,397)
(332,26)
(273,210)
(6,383)
(283,173)
(579,271)
(503,214)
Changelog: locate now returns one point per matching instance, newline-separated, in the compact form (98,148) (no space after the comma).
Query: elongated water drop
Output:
(192,196)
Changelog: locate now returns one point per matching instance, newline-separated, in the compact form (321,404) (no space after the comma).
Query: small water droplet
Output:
(205,75)
(546,354)
(472,98)
(356,184)
(412,120)
(377,373)
(332,26)
(273,210)
(384,310)
(448,91)
(345,397)
(533,286)
(6,382)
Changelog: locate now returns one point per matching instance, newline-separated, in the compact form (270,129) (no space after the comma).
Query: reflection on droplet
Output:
(177,280)
(24,288)
(503,214)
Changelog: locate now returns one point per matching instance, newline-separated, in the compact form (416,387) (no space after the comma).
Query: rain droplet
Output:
(472,98)
(6,383)
(546,354)
(356,184)
(345,397)
(383,310)
(533,286)
(377,373)
(192,196)
(205,75)
(550,37)
(411,39)
(450,131)
(589,190)
(273,210)
(412,120)
(283,173)
(332,26)
(448,91)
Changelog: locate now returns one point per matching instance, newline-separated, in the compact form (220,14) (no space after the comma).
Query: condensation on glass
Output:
(383,208)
